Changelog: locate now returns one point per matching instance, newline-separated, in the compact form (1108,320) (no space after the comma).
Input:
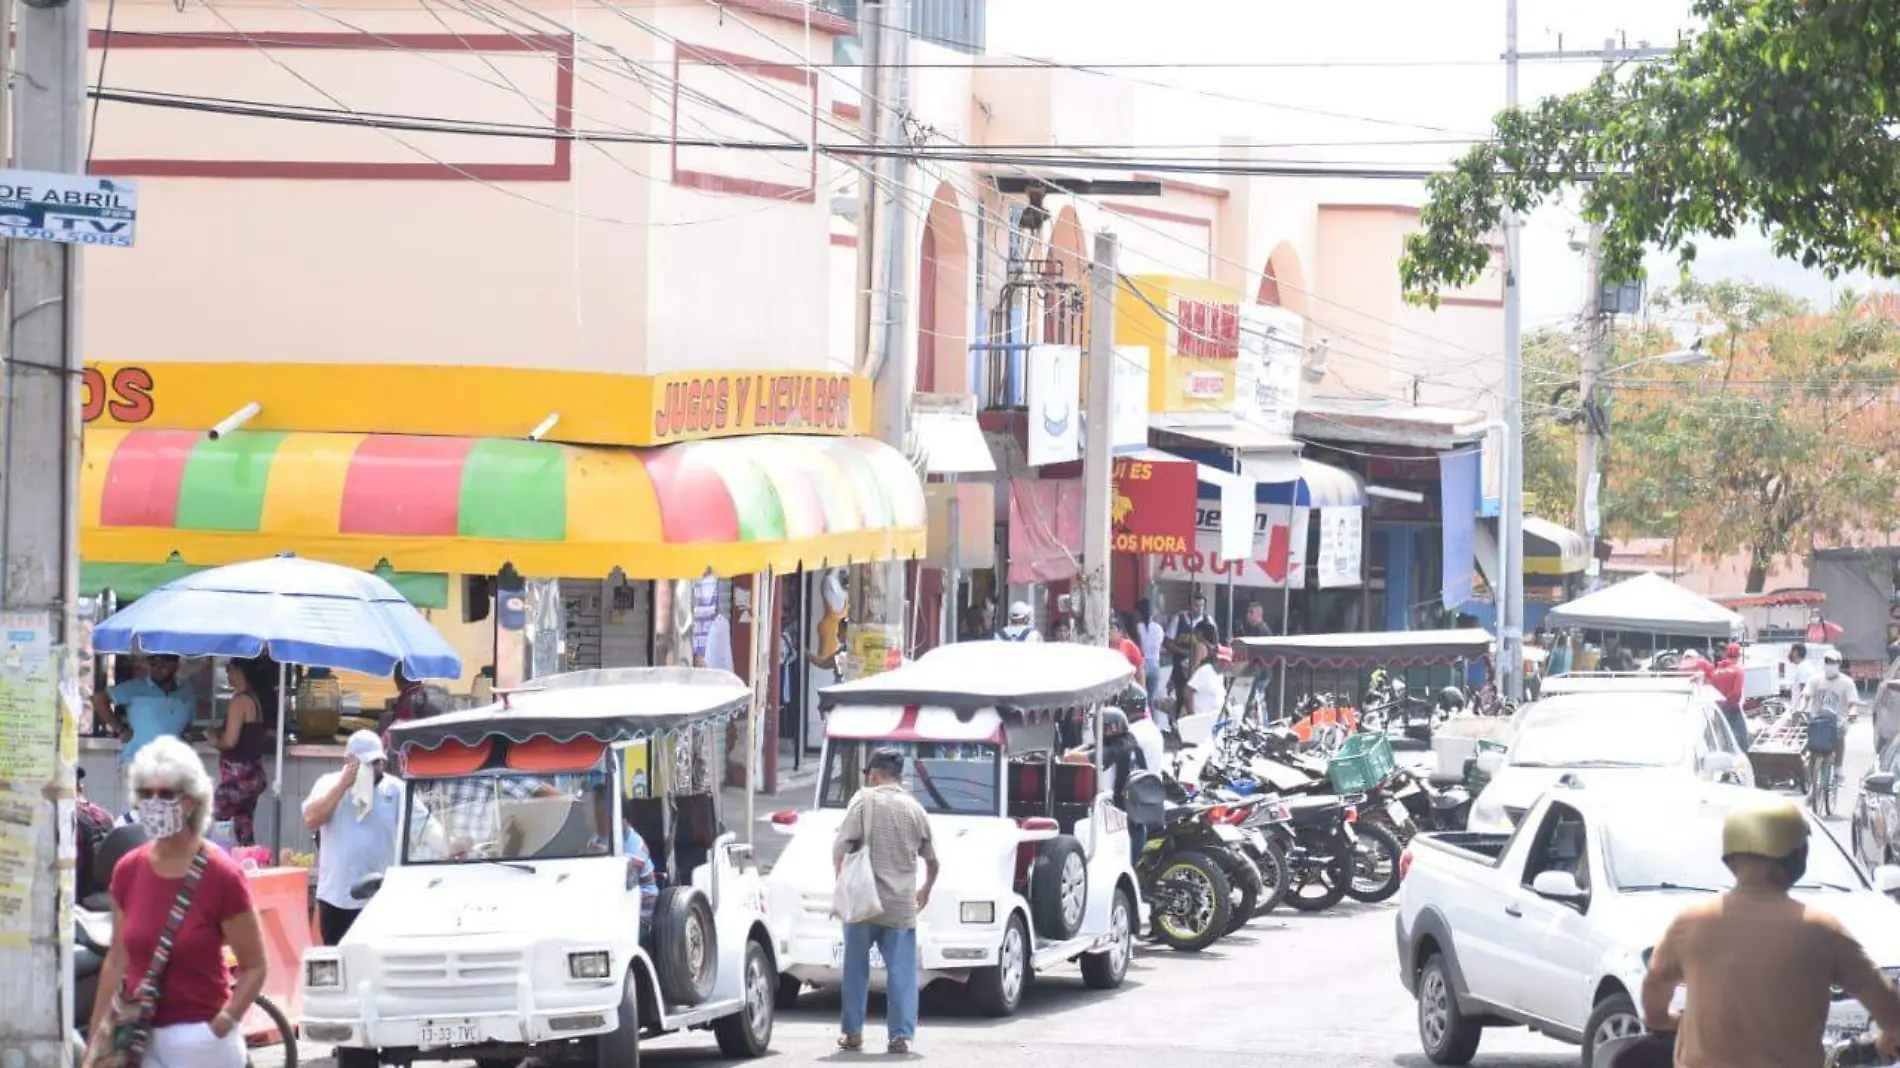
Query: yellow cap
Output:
(1772,827)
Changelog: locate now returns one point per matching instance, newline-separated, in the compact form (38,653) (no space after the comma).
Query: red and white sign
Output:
(1206,330)
(1203,385)
(1279,552)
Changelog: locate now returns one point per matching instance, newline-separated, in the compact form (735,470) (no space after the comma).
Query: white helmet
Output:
(1019,612)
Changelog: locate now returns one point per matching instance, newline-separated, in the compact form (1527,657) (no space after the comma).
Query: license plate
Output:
(837,956)
(1846,1019)
(436,1033)
(1226,832)
(1398,813)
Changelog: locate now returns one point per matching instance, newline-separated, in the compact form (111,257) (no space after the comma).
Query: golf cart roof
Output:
(1398,648)
(1007,676)
(610,706)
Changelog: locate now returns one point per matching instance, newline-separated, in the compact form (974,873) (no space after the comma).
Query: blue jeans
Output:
(1738,726)
(899,947)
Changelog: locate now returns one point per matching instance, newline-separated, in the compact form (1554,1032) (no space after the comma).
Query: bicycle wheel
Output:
(281,1024)
(1814,782)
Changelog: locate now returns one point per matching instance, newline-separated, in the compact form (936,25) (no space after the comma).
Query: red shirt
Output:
(1727,680)
(1133,653)
(196,983)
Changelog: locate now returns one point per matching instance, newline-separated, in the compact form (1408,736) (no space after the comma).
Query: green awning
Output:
(132,581)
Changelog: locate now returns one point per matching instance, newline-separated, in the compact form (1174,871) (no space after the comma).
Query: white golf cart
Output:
(1035,858)
(510,925)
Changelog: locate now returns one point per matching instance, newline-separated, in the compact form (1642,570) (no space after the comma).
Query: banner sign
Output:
(1055,391)
(1267,378)
(690,406)
(1279,554)
(1154,506)
(1339,547)
(1130,428)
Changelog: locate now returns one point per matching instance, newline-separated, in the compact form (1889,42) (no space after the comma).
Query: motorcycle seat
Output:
(87,962)
(1314,808)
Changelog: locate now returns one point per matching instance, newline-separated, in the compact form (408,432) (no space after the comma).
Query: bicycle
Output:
(286,1034)
(1823,786)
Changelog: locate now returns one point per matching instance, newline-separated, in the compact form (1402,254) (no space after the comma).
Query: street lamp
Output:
(1693,356)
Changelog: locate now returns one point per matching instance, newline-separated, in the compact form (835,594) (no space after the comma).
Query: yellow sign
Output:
(1191,328)
(589,407)
(725,403)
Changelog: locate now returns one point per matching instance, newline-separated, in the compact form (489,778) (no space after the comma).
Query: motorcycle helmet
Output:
(1773,827)
(1133,701)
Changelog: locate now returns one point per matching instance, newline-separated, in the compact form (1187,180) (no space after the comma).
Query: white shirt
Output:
(1799,680)
(719,644)
(1148,736)
(1208,691)
(350,850)
(1149,634)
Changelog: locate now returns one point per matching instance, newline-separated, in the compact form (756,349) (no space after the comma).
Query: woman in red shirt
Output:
(194,1023)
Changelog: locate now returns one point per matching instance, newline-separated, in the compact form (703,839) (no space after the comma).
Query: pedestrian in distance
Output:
(241,745)
(1021,626)
(889,823)
(168,999)
(159,705)
(1150,636)
(353,813)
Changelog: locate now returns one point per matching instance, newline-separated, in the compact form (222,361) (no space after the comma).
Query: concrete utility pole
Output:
(41,534)
(893,371)
(1596,344)
(1511,523)
(1098,455)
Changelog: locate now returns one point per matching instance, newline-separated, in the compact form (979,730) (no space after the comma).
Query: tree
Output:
(1779,113)
(1776,445)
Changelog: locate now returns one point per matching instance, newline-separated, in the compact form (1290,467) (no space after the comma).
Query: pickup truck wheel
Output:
(1059,888)
(356,1058)
(1107,969)
(1614,1017)
(620,1047)
(748,1032)
(998,990)
(1444,1033)
(686,945)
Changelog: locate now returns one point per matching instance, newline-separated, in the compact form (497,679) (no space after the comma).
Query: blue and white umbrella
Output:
(295,611)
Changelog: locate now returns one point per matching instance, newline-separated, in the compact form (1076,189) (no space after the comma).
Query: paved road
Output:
(1290,990)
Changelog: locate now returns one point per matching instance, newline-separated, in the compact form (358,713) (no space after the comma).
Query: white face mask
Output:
(1831,670)
(162,818)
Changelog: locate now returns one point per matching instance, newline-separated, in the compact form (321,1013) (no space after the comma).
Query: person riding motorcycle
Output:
(1759,964)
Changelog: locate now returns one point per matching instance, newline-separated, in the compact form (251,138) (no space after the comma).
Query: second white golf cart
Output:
(1035,858)
(511,924)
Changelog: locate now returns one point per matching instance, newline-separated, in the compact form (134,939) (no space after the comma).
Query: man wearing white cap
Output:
(1021,626)
(353,813)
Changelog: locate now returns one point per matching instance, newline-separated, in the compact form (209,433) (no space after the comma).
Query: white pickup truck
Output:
(1550,927)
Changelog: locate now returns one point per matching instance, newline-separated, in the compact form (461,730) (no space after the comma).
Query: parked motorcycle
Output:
(1184,878)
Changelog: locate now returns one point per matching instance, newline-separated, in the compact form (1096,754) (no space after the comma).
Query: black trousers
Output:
(333,923)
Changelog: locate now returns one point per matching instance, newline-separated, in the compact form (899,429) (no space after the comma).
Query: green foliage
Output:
(1779,114)
(1776,444)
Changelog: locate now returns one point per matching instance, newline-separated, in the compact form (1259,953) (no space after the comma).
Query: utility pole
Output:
(41,535)
(892,370)
(1511,524)
(1098,456)
(1596,349)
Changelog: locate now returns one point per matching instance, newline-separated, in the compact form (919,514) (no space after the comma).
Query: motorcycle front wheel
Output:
(1246,885)
(1271,862)
(1316,885)
(1375,864)
(1192,901)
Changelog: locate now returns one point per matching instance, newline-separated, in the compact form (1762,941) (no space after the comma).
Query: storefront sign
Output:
(126,395)
(594,408)
(1279,553)
(1206,330)
(1131,396)
(1340,534)
(1267,376)
(1154,506)
(690,406)
(1055,390)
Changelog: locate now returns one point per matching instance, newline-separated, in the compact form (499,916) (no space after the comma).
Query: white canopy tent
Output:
(1648,604)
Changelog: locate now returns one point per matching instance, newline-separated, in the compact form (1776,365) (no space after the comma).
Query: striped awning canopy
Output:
(475,505)
(1550,549)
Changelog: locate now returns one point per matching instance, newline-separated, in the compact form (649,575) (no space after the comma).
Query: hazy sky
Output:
(1388,109)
